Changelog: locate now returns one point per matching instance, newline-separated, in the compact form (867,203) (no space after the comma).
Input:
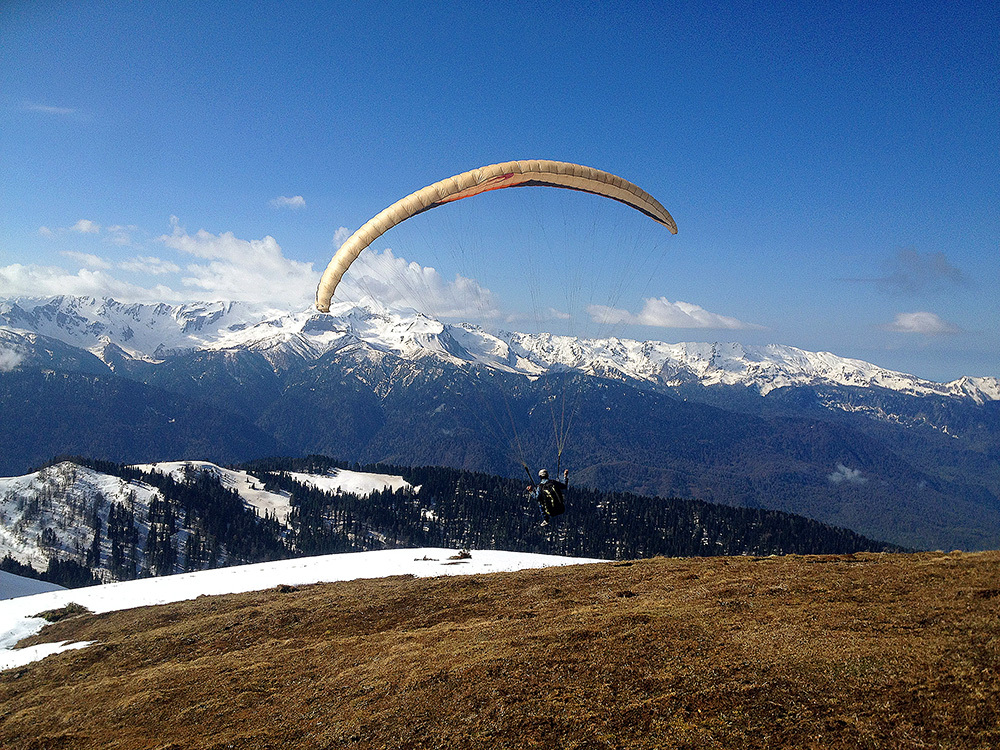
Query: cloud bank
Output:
(182,266)
(31,280)
(246,270)
(395,282)
(662,313)
(205,267)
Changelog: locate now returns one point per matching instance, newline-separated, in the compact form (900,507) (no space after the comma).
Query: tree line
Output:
(196,523)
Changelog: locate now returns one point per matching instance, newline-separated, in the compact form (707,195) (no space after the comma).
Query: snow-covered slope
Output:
(56,512)
(246,486)
(17,619)
(154,332)
(356,482)
(143,331)
(264,502)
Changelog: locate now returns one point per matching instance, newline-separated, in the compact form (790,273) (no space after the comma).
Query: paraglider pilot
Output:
(548,493)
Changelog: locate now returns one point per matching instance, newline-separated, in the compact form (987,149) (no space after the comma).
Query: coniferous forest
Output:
(196,523)
(453,508)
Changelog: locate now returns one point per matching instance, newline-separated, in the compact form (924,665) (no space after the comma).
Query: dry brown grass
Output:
(864,651)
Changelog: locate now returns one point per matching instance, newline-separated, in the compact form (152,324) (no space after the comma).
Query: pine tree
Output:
(94,553)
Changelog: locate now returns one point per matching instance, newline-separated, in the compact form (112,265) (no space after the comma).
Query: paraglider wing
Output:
(482,180)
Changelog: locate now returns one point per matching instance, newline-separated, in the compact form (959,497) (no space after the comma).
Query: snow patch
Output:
(354,482)
(17,616)
(249,488)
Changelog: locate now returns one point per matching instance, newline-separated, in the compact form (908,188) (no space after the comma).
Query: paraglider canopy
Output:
(482,180)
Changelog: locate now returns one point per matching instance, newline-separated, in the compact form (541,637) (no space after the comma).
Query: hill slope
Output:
(117,522)
(893,651)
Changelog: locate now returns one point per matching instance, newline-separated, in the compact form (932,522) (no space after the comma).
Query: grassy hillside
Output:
(853,651)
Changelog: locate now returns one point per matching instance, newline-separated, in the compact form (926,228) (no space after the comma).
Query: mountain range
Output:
(884,453)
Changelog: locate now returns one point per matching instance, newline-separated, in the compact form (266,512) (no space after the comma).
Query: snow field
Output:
(17,616)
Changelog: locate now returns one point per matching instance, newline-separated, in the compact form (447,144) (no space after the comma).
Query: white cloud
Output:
(85,226)
(662,313)
(120,235)
(116,235)
(844,474)
(233,269)
(250,270)
(539,316)
(394,282)
(553,314)
(87,260)
(9,360)
(927,323)
(223,266)
(283,201)
(149,265)
(610,315)
(230,268)
(44,281)
(340,236)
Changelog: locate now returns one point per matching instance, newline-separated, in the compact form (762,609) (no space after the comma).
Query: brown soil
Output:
(864,651)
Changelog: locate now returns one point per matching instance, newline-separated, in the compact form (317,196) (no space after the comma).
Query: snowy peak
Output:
(21,348)
(764,368)
(144,331)
(112,331)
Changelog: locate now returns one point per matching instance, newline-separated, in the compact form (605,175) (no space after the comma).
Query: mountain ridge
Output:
(154,332)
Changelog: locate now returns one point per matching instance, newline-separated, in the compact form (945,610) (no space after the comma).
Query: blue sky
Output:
(832,168)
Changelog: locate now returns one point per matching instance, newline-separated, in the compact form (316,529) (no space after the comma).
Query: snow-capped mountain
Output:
(111,330)
(840,440)
(143,331)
